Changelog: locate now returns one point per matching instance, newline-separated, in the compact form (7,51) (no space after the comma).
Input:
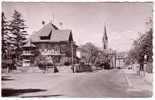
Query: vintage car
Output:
(82,68)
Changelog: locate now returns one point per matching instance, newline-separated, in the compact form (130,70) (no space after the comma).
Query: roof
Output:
(29,44)
(47,29)
(61,35)
(52,34)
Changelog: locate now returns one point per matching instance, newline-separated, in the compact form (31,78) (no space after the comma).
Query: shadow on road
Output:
(15,92)
(6,78)
(42,96)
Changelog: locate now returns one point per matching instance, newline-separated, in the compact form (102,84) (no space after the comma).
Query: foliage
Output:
(90,53)
(17,28)
(13,37)
(5,36)
(102,57)
(142,46)
(44,61)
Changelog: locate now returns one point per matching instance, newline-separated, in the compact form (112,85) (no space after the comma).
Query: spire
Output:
(105,39)
(105,33)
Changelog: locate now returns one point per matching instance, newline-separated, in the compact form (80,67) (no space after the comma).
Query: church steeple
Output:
(105,39)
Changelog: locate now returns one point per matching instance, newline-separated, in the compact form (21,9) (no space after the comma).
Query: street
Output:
(100,83)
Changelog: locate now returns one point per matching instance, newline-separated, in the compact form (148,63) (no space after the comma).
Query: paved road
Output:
(102,83)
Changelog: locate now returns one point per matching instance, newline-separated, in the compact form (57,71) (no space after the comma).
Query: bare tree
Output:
(91,52)
(143,47)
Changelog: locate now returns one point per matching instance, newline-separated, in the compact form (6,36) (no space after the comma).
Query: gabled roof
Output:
(47,29)
(61,35)
(29,44)
(52,34)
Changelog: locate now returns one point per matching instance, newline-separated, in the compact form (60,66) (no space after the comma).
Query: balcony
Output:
(50,52)
(27,53)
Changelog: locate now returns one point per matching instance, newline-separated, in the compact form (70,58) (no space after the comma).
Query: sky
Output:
(123,21)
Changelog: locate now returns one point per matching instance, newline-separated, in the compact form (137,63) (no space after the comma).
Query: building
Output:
(112,57)
(110,53)
(28,54)
(120,59)
(53,42)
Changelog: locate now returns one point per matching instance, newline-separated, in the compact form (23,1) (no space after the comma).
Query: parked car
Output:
(82,67)
(107,65)
(130,68)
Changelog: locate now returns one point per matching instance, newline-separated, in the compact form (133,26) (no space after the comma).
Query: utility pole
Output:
(72,49)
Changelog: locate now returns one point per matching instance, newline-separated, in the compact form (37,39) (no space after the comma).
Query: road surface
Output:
(101,83)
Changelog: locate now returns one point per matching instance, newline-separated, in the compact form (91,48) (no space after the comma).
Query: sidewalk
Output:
(138,83)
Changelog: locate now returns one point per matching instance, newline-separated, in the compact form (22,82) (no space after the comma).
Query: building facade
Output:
(120,59)
(28,54)
(53,42)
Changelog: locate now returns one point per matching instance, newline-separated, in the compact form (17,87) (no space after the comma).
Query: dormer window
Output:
(46,37)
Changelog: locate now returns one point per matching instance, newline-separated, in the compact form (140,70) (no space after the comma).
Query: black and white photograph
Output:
(76,49)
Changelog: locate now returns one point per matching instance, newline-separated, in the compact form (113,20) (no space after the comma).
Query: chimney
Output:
(43,22)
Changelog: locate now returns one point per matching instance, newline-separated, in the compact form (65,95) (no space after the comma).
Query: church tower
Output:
(105,39)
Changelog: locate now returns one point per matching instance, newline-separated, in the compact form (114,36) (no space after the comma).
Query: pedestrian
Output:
(72,67)
(141,63)
(56,69)
(138,69)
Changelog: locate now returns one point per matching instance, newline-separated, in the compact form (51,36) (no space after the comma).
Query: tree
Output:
(147,45)
(91,52)
(5,36)
(17,28)
(143,46)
